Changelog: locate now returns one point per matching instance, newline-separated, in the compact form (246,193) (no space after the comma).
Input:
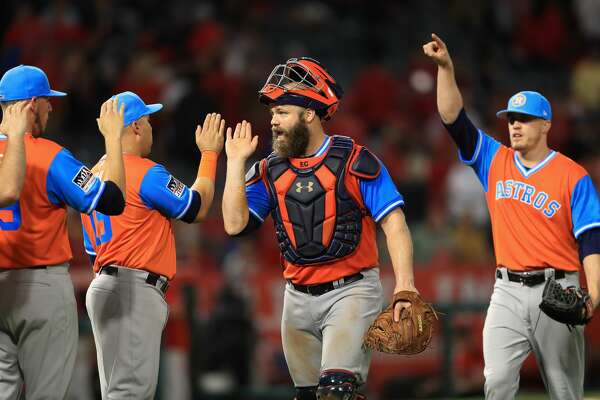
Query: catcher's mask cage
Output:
(302,82)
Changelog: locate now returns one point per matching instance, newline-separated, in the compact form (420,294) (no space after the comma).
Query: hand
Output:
(209,137)
(18,118)
(438,52)
(402,307)
(241,144)
(111,118)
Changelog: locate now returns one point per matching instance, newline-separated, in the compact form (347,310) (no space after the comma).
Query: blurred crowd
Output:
(197,57)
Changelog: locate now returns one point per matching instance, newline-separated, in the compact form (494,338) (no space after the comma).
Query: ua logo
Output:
(299,186)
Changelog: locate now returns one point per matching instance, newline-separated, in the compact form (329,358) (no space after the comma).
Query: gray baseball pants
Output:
(38,333)
(515,326)
(326,332)
(128,316)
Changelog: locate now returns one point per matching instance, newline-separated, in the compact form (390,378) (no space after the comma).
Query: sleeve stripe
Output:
(477,151)
(90,252)
(256,215)
(189,202)
(586,228)
(386,210)
(97,198)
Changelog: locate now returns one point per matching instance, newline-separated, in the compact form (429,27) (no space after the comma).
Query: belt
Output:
(530,278)
(322,288)
(159,281)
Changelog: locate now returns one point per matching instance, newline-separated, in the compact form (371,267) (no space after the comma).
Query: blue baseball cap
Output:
(24,82)
(135,108)
(530,103)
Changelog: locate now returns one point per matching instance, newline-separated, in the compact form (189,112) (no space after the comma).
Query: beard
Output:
(292,143)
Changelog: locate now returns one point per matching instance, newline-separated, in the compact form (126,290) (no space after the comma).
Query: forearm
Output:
(12,171)
(206,187)
(591,264)
(235,203)
(449,99)
(114,169)
(399,244)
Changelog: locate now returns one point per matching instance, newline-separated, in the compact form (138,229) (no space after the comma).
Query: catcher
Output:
(326,195)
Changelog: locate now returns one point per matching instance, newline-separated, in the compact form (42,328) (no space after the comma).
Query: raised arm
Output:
(449,99)
(209,139)
(111,126)
(239,147)
(17,117)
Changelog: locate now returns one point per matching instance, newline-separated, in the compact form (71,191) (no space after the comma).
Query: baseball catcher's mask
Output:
(302,82)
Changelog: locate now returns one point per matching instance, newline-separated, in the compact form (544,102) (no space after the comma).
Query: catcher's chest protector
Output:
(316,219)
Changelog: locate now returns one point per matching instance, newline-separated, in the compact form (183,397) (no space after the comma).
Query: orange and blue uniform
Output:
(142,237)
(537,214)
(33,231)
(377,196)
(544,222)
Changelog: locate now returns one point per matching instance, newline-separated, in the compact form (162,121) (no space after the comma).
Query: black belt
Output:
(530,278)
(322,288)
(159,281)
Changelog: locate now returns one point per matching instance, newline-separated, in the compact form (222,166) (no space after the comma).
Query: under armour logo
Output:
(299,186)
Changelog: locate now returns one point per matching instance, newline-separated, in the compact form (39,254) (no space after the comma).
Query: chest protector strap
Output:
(316,219)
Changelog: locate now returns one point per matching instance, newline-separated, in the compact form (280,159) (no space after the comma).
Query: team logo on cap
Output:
(519,100)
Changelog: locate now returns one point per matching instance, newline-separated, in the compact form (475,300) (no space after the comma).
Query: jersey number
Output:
(101,227)
(10,217)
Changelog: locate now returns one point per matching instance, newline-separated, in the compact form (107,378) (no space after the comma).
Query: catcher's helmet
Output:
(302,82)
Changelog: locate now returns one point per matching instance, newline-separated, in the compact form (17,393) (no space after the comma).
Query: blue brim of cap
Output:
(502,112)
(56,93)
(152,108)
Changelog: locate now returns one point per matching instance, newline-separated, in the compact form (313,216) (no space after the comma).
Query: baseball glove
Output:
(571,305)
(410,335)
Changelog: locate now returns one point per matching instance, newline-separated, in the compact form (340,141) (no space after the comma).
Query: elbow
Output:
(232,229)
(8,197)
(115,206)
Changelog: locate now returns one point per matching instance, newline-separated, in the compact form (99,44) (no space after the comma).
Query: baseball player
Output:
(16,117)
(134,253)
(326,195)
(38,317)
(545,217)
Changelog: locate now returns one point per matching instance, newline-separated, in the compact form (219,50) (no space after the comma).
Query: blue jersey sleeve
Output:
(482,158)
(380,195)
(585,206)
(260,202)
(163,192)
(72,183)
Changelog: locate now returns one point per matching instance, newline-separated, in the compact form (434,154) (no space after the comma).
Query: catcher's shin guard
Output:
(306,393)
(337,385)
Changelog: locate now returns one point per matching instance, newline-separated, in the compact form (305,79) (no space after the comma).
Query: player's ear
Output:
(309,115)
(546,127)
(136,127)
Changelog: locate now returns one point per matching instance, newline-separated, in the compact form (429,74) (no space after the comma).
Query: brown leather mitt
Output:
(410,335)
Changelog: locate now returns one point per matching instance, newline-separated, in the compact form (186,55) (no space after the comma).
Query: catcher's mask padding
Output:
(336,385)
(306,393)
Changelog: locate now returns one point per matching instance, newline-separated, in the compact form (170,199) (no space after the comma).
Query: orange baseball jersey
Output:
(379,197)
(537,213)
(142,237)
(33,231)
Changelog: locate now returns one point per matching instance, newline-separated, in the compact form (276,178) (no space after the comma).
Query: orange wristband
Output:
(208,165)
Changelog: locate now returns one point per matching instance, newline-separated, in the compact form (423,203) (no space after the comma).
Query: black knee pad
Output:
(337,385)
(306,393)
